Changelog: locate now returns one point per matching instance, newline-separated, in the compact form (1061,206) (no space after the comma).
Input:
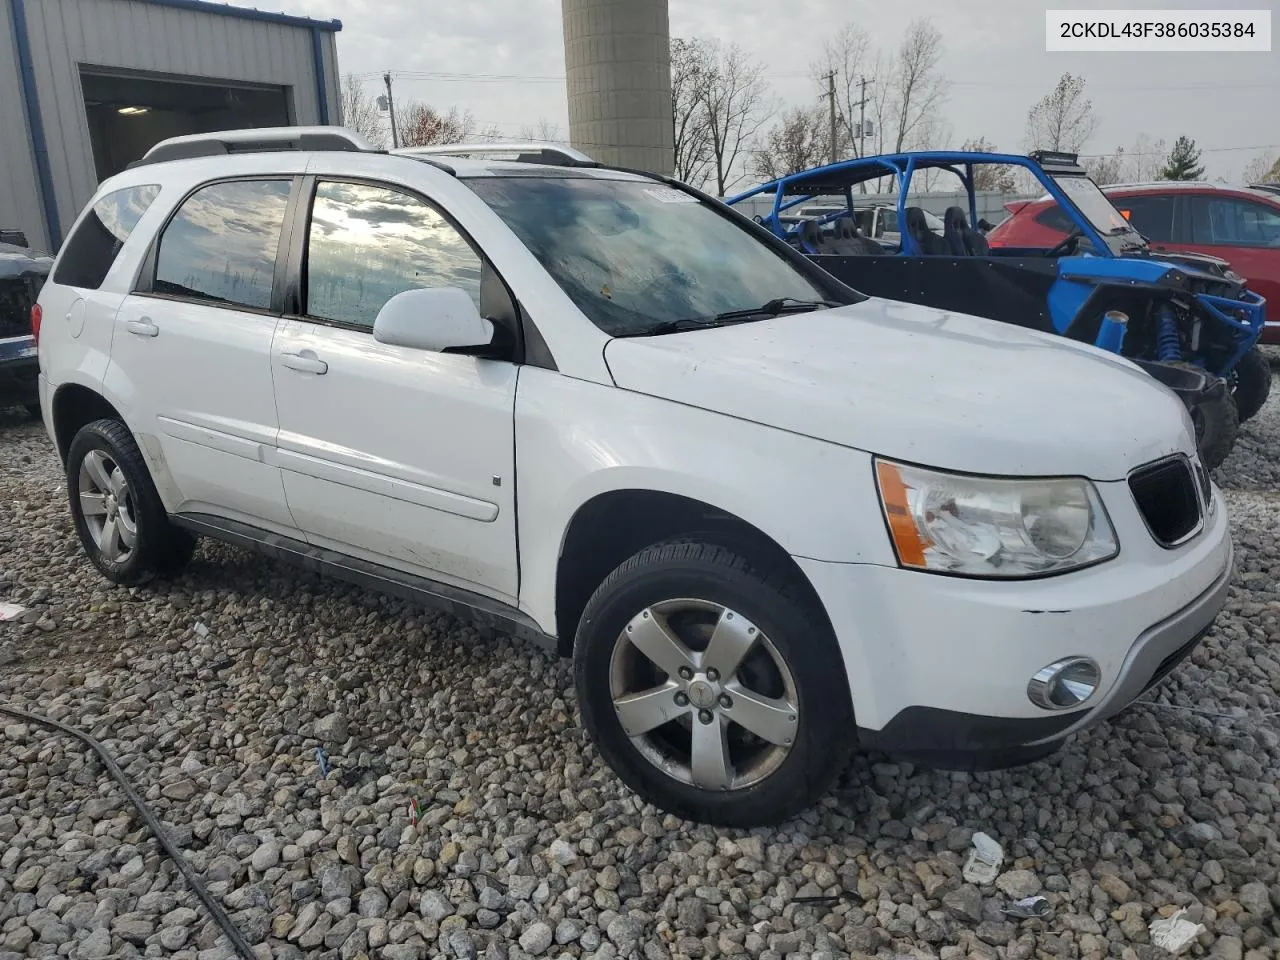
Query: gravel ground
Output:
(213,691)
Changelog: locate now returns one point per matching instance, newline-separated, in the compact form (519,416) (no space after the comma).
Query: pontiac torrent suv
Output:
(769,518)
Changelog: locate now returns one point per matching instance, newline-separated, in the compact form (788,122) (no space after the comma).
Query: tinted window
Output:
(93,247)
(1151,216)
(221,245)
(632,254)
(1241,223)
(1053,218)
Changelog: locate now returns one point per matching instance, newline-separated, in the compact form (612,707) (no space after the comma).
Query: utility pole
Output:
(862,117)
(391,109)
(831,102)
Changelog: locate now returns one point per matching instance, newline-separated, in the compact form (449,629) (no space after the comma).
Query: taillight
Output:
(37,314)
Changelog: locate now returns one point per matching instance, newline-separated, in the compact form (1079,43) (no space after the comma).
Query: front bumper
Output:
(938,666)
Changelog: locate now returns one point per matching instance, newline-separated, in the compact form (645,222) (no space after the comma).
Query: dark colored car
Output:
(22,274)
(1238,224)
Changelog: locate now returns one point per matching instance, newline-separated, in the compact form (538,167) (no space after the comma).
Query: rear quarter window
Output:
(1053,218)
(94,245)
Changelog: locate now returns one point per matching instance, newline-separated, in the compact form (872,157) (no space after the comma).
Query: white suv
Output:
(768,517)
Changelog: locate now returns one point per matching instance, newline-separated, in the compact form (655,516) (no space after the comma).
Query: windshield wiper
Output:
(772,308)
(775,308)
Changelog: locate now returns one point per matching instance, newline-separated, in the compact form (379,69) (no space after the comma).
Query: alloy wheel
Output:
(703,694)
(107,506)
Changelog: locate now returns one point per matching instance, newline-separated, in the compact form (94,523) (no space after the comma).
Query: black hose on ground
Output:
(153,823)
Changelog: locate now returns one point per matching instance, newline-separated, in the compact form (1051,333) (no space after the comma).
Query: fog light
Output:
(1064,683)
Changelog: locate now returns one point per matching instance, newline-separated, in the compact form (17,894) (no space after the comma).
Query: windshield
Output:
(633,254)
(1093,203)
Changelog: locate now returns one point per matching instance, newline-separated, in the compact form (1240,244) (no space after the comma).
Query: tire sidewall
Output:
(1220,426)
(95,436)
(802,639)
(1252,383)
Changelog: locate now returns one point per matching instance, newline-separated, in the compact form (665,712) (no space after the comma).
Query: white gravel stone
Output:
(526,845)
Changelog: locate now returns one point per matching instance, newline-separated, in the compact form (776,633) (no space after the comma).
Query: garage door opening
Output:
(131,112)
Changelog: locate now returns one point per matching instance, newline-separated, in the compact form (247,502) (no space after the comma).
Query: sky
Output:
(994,61)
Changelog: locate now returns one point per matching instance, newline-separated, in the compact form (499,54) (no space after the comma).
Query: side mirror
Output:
(439,319)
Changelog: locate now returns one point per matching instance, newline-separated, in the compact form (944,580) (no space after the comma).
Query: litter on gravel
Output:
(1175,934)
(983,865)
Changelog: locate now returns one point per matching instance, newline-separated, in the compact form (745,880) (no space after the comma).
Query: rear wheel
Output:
(1252,383)
(118,514)
(712,686)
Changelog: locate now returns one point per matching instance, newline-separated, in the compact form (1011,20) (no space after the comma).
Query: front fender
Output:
(576,440)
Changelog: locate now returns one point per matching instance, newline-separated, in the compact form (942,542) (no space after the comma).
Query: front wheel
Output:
(1252,383)
(712,686)
(1217,423)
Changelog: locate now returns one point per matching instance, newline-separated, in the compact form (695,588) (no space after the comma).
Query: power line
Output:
(449,77)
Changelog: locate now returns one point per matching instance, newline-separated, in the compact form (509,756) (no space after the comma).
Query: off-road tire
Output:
(768,596)
(1252,383)
(1217,423)
(160,547)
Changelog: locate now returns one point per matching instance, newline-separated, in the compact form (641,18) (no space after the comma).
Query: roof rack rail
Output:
(526,152)
(255,140)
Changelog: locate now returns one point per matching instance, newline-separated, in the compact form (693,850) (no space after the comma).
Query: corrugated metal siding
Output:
(19,196)
(124,34)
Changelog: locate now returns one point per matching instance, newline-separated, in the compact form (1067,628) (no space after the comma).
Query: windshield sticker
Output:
(670,195)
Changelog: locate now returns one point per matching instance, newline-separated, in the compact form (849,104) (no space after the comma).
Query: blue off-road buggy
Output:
(1188,320)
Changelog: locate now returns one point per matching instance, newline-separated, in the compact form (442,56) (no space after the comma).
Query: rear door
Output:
(191,353)
(1152,215)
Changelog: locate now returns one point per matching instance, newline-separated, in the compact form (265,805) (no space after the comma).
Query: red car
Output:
(1238,224)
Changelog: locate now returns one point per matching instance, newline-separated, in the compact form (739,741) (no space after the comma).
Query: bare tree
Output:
(422,125)
(1264,168)
(732,93)
(544,131)
(915,88)
(1144,159)
(847,55)
(1063,119)
(992,177)
(796,142)
(690,65)
(1107,168)
(360,112)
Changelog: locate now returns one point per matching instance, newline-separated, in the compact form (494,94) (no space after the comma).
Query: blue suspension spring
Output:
(1168,343)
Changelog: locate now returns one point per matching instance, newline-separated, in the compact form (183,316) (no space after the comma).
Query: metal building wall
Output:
(19,196)
(161,37)
(618,62)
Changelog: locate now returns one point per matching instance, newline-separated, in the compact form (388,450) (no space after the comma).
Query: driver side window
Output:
(366,243)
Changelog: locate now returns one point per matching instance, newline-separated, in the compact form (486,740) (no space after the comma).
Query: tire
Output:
(1217,423)
(1252,383)
(33,410)
(792,660)
(106,472)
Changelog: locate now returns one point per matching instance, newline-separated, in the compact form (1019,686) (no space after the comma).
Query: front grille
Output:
(1167,497)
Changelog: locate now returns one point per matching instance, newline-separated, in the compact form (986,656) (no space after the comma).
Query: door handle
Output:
(143,327)
(304,361)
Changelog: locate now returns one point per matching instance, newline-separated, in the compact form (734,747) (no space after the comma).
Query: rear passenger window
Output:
(93,247)
(221,245)
(368,243)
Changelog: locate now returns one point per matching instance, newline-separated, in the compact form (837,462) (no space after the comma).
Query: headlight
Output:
(989,527)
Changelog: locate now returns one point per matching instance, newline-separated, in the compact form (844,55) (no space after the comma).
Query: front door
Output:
(401,456)
(191,354)
(1245,233)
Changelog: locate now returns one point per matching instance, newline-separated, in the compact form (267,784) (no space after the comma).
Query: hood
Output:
(920,385)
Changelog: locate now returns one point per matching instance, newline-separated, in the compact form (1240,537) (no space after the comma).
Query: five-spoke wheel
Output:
(713,685)
(118,513)
(107,506)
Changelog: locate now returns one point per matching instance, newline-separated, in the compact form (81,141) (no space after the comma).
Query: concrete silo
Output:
(618,60)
